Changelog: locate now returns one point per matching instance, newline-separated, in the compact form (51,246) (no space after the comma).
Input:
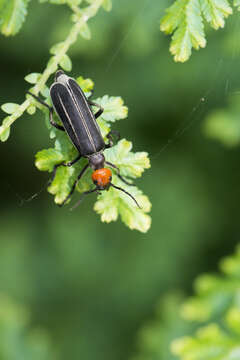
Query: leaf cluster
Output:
(155,337)
(111,203)
(59,57)
(186,19)
(17,338)
(13,13)
(211,316)
(216,301)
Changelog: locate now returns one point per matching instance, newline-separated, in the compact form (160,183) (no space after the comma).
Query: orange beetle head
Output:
(102,178)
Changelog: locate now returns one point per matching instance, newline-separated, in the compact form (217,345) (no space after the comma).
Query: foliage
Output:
(212,342)
(185,20)
(17,338)
(216,299)
(12,15)
(92,285)
(224,124)
(155,337)
(215,303)
(59,58)
(110,204)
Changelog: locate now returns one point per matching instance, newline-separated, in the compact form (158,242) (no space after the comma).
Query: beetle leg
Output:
(91,94)
(74,184)
(110,138)
(118,173)
(70,163)
(100,111)
(52,122)
(82,196)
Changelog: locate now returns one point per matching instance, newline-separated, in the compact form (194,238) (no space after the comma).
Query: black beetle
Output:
(79,122)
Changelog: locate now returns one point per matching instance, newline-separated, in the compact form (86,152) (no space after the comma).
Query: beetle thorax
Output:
(96,161)
(62,78)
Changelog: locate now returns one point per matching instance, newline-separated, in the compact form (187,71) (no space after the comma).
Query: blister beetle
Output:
(79,122)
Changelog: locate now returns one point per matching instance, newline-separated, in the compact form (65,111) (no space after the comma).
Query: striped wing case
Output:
(72,107)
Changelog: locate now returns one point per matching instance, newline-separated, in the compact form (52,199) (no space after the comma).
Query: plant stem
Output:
(86,14)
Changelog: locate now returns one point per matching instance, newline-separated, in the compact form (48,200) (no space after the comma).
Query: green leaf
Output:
(237,3)
(175,15)
(113,202)
(56,48)
(74,2)
(215,11)
(224,124)
(155,336)
(56,2)
(61,2)
(214,326)
(62,184)
(10,108)
(85,84)
(48,158)
(4,133)
(45,91)
(216,298)
(12,15)
(85,31)
(104,126)
(131,164)
(66,63)
(232,320)
(230,265)
(33,78)
(107,5)
(65,176)
(184,19)
(17,333)
(52,64)
(210,343)
(113,108)
(215,295)
(31,109)
(118,202)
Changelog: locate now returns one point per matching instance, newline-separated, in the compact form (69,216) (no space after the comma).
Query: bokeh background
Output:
(89,285)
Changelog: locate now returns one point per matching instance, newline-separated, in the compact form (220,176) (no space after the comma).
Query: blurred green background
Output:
(90,285)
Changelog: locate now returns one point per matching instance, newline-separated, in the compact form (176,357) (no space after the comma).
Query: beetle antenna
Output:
(121,189)
(82,197)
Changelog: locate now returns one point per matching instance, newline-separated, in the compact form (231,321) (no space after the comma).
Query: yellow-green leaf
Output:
(12,15)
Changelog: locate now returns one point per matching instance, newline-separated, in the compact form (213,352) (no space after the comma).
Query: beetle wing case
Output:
(72,107)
